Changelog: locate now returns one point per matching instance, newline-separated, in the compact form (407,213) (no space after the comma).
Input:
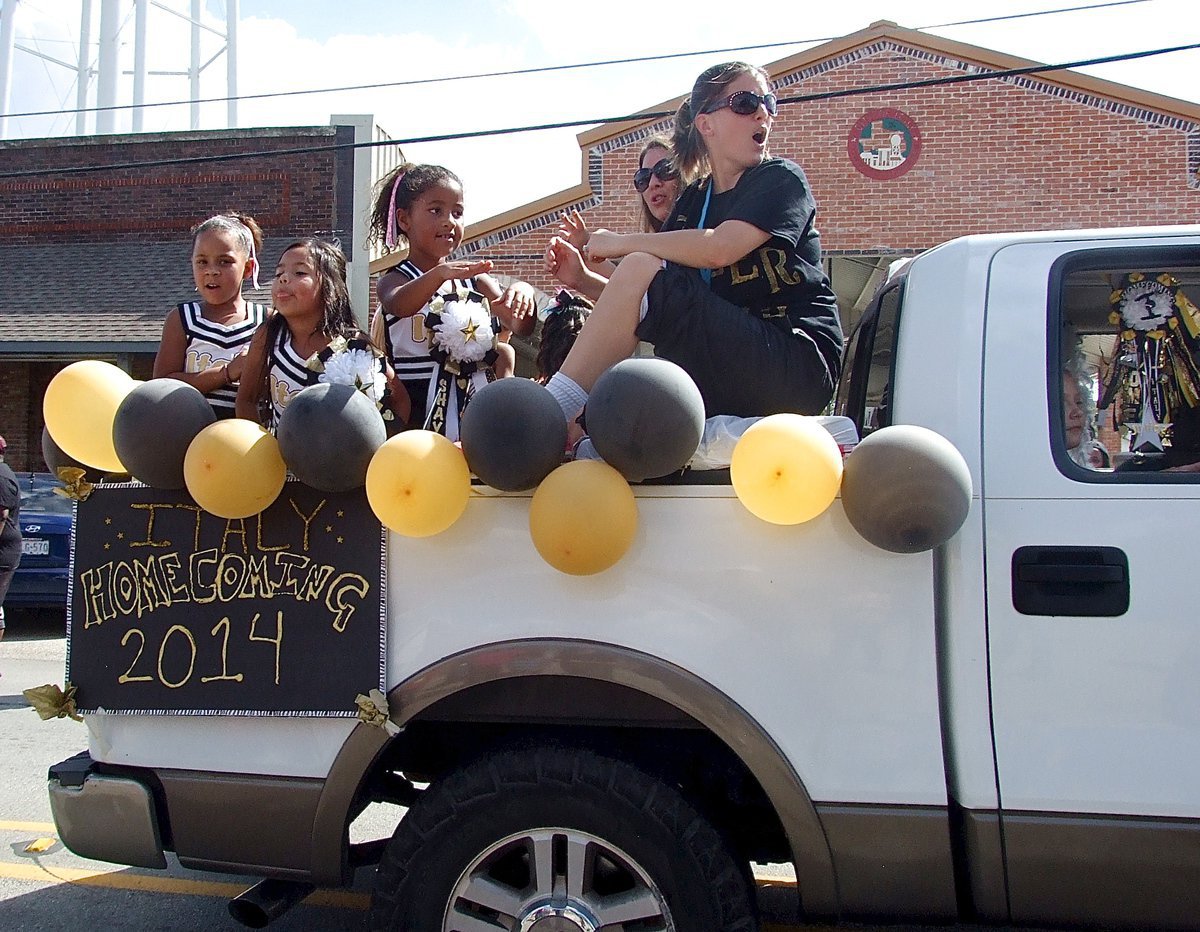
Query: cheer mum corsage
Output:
(461,342)
(1154,369)
(353,362)
(460,327)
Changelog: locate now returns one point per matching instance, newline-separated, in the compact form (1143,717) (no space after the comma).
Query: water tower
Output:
(102,59)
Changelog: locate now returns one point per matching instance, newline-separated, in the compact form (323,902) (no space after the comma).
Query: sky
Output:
(288,45)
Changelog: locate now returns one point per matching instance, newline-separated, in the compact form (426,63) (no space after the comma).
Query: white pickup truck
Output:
(1003,729)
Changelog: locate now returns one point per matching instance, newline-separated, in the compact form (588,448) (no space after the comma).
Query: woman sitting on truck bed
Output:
(732,288)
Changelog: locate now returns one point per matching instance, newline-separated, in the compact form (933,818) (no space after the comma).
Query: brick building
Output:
(1055,150)
(91,262)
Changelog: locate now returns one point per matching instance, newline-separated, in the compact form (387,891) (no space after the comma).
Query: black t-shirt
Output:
(782,281)
(10,498)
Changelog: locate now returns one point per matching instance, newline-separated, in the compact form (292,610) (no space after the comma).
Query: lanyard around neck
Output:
(706,274)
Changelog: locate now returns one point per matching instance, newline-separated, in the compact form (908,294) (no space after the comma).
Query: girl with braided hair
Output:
(561,325)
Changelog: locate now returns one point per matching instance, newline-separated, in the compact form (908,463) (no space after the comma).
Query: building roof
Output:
(75,297)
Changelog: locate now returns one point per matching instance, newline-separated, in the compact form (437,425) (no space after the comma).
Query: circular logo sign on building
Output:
(884,143)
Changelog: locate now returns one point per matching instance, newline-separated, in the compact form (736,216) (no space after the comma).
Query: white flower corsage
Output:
(356,363)
(462,326)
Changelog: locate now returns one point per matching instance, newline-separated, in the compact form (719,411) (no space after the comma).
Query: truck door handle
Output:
(1078,581)
(1081,573)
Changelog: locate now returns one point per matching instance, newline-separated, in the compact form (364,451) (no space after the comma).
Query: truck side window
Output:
(864,395)
(1124,378)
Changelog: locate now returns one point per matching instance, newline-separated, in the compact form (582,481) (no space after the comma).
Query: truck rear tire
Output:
(557,834)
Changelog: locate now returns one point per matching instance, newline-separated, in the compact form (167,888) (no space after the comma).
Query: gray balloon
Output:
(55,456)
(906,489)
(328,434)
(153,428)
(513,434)
(645,417)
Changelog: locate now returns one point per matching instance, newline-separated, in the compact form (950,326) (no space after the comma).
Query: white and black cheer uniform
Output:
(287,374)
(408,347)
(211,344)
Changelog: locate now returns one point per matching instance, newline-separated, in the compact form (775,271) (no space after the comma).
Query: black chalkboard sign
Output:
(173,609)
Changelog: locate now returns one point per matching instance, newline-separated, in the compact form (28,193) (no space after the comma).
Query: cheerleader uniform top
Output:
(209,344)
(287,374)
(408,347)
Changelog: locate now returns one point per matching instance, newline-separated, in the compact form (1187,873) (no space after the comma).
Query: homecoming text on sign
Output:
(176,610)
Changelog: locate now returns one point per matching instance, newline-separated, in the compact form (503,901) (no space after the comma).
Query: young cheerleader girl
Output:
(204,341)
(312,324)
(432,317)
(561,323)
(732,288)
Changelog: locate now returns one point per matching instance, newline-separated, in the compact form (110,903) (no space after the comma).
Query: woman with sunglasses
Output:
(732,288)
(656,180)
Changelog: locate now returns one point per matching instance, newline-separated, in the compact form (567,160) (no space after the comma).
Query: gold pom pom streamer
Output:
(74,485)
(50,701)
(373,710)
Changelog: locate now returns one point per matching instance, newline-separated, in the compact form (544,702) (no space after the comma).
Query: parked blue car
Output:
(45,519)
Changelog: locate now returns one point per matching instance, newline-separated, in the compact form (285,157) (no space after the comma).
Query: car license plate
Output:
(35,547)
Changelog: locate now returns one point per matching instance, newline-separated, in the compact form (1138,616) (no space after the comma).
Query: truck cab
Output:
(1063,623)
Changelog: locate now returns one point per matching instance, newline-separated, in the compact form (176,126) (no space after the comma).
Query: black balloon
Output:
(54,455)
(153,428)
(906,489)
(645,417)
(513,434)
(328,434)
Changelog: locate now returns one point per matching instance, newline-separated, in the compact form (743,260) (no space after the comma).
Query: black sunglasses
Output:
(744,103)
(664,170)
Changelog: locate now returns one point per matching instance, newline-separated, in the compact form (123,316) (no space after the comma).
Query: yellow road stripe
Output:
(118,879)
(39,827)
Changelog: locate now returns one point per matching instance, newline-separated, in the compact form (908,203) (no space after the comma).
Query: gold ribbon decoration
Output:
(51,702)
(373,710)
(74,485)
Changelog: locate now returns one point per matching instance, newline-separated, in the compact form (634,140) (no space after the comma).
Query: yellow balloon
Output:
(233,468)
(583,517)
(79,406)
(786,469)
(418,483)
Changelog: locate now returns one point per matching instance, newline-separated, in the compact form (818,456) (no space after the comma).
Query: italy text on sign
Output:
(175,610)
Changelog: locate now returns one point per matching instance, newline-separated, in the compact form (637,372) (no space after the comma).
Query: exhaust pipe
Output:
(267,900)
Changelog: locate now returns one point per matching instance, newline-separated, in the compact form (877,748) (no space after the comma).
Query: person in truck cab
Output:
(1081,446)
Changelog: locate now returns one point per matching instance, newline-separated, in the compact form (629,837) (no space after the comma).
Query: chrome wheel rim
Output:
(555,880)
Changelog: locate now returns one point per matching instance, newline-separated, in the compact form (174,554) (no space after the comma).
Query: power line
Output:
(544,69)
(996,19)
(638,117)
